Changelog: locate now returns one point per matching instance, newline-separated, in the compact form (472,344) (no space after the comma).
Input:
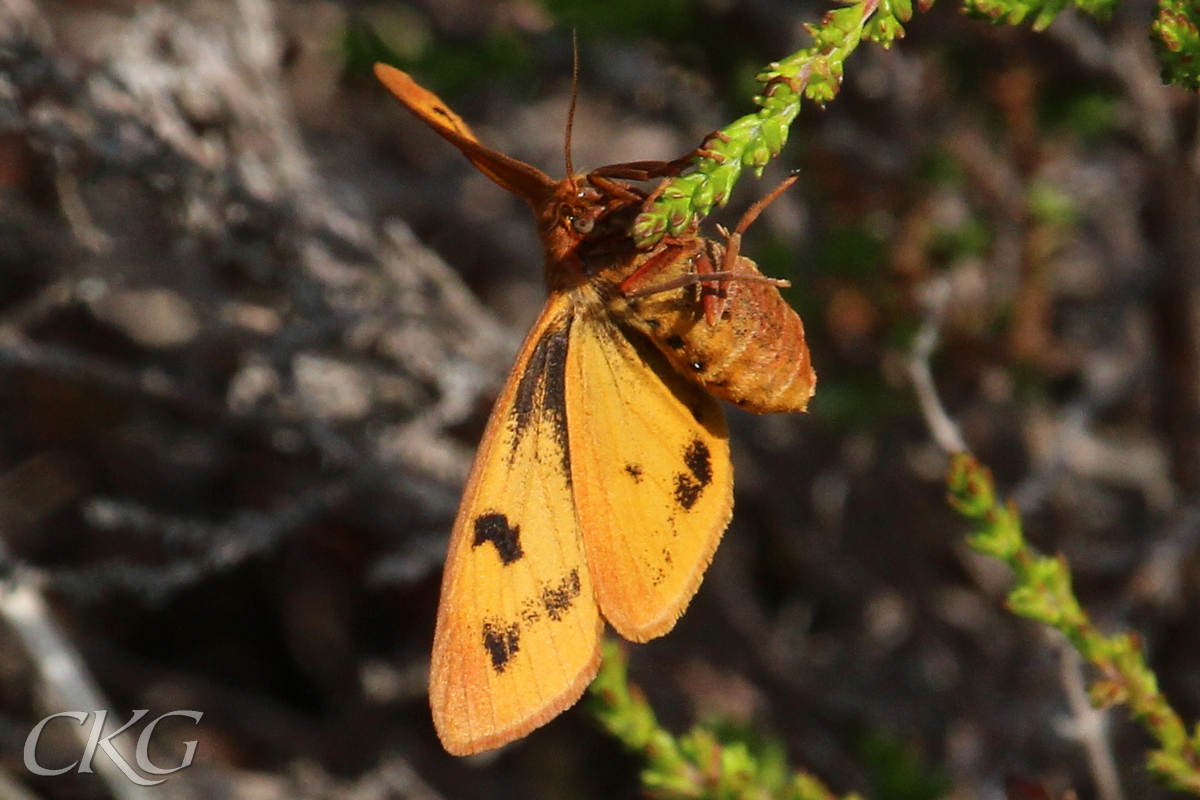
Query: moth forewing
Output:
(518,627)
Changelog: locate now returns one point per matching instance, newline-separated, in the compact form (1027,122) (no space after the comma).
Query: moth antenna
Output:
(574,97)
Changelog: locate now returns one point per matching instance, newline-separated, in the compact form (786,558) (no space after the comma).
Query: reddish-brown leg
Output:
(654,265)
(650,170)
(713,282)
(710,277)
(624,194)
(733,241)
(712,295)
(703,275)
(692,248)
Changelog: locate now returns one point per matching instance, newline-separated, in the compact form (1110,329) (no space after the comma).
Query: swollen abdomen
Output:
(755,356)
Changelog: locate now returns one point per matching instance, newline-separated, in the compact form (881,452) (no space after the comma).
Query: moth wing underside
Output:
(520,178)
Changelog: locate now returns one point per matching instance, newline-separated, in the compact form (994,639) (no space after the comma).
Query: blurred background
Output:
(253,315)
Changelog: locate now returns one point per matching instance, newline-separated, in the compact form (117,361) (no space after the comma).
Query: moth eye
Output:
(582,225)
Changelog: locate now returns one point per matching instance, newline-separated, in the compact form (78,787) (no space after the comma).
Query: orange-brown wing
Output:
(652,478)
(518,629)
(518,177)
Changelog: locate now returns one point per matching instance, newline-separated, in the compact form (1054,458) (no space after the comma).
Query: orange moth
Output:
(603,481)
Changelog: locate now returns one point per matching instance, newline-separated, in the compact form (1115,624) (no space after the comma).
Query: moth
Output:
(603,481)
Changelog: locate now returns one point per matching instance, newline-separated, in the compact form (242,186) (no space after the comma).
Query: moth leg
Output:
(713,281)
(712,295)
(706,279)
(711,277)
(733,241)
(705,275)
(640,170)
(650,170)
(622,193)
(653,265)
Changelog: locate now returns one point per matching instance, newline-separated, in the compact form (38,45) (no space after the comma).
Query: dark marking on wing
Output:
(674,341)
(634,471)
(667,557)
(557,600)
(502,642)
(659,577)
(699,461)
(494,527)
(687,491)
(688,488)
(542,393)
(529,613)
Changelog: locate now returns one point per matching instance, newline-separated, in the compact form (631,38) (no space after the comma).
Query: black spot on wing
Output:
(634,471)
(529,613)
(699,461)
(542,393)
(494,527)
(674,341)
(502,642)
(557,600)
(688,488)
(687,491)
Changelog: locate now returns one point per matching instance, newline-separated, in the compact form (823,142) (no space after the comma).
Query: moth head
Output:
(579,213)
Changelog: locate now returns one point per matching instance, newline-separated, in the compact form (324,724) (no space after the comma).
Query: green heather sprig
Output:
(1043,593)
(1043,12)
(1178,42)
(816,73)
(752,141)
(696,765)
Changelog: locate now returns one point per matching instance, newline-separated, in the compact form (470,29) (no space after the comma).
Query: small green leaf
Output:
(774,133)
